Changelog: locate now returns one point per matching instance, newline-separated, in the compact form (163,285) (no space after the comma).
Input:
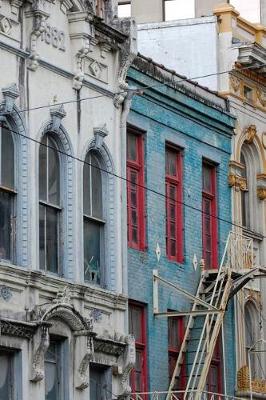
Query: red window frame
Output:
(135,172)
(174,209)
(214,382)
(174,345)
(141,347)
(209,217)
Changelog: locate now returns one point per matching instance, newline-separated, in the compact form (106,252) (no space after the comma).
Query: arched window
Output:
(250,204)
(7,194)
(244,195)
(93,219)
(49,205)
(251,335)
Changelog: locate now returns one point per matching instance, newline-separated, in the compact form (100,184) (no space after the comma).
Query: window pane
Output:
(54,171)
(52,376)
(92,249)
(52,239)
(178,9)
(5,377)
(132,153)
(206,178)
(135,322)
(96,182)
(86,187)
(170,163)
(124,10)
(43,170)
(100,382)
(5,225)
(42,236)
(7,159)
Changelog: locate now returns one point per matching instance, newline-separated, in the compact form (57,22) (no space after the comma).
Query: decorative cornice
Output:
(109,346)
(17,328)
(10,95)
(57,113)
(100,134)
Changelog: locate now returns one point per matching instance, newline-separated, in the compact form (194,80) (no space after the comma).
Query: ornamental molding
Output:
(10,94)
(83,378)
(57,114)
(17,329)
(130,359)
(127,55)
(263,139)
(261,186)
(39,16)
(235,83)
(261,95)
(41,344)
(235,178)
(100,134)
(250,133)
(109,346)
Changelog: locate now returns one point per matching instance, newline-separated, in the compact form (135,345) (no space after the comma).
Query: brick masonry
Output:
(203,131)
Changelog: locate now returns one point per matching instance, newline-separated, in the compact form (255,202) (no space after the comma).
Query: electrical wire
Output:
(155,192)
(184,79)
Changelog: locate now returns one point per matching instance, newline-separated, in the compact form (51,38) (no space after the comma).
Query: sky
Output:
(179,9)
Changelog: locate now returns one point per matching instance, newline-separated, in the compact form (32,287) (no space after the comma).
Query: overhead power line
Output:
(155,192)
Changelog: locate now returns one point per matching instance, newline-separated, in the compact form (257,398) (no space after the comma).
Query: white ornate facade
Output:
(63,326)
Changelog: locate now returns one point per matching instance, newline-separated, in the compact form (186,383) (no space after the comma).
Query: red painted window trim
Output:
(216,362)
(177,183)
(141,345)
(210,196)
(136,167)
(174,351)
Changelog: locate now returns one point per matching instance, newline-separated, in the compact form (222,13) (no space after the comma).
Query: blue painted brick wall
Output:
(202,131)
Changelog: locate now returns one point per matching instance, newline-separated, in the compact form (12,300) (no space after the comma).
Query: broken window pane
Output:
(92,251)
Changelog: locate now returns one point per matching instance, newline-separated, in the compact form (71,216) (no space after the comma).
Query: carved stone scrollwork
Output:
(99,134)
(83,370)
(127,54)
(261,94)
(10,95)
(15,6)
(57,114)
(235,178)
(130,359)
(42,339)
(235,83)
(250,133)
(39,19)
(79,76)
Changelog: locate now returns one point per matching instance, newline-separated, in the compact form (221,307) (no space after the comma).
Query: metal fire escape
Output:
(205,319)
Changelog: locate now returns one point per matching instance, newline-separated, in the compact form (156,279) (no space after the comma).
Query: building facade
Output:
(235,51)
(63,276)
(178,150)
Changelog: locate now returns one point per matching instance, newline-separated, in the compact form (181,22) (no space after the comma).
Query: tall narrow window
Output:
(93,219)
(135,190)
(209,220)
(214,379)
(137,327)
(7,194)
(251,337)
(245,196)
(7,375)
(49,205)
(176,330)
(173,191)
(100,382)
(54,371)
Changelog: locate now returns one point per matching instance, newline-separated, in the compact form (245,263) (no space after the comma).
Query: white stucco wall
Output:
(187,46)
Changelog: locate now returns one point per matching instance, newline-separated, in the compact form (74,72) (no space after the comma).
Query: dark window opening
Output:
(49,205)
